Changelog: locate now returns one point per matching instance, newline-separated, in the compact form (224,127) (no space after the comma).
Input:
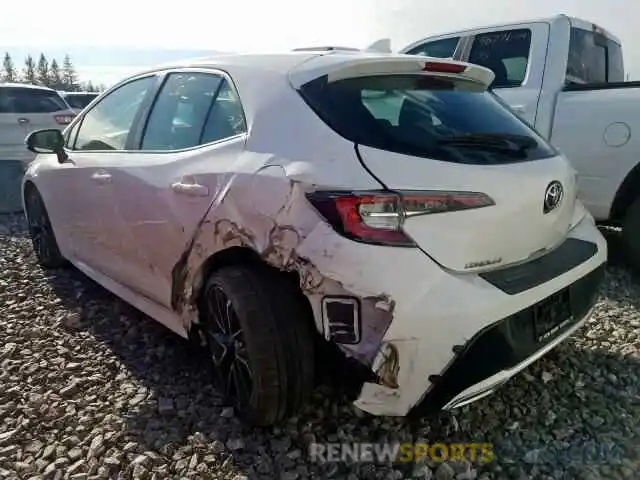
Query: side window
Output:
(593,58)
(107,125)
(439,48)
(70,135)
(226,118)
(180,112)
(506,53)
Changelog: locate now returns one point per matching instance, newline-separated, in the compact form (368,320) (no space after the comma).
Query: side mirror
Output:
(47,141)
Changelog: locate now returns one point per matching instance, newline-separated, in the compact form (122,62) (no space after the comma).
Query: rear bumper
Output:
(461,336)
(499,352)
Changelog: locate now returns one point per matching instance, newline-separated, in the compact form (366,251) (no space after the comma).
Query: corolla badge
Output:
(553,196)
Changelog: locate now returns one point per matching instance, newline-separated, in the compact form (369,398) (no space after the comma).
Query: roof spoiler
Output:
(380,46)
(325,49)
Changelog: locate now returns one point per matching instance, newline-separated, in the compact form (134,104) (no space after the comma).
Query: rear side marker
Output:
(341,319)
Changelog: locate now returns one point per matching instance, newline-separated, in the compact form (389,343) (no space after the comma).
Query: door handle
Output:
(518,108)
(22,121)
(191,189)
(101,177)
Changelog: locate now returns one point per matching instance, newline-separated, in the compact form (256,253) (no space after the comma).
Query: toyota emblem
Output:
(552,196)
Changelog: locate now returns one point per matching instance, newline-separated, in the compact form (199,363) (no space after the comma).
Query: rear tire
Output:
(631,236)
(43,239)
(255,316)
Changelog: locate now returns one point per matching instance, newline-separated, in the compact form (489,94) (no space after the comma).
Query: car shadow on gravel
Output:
(13,225)
(575,406)
(166,396)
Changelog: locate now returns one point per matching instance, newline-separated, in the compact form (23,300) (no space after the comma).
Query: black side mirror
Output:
(47,141)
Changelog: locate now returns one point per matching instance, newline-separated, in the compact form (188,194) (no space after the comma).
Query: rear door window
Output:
(436,118)
(30,100)
(506,53)
(193,109)
(444,48)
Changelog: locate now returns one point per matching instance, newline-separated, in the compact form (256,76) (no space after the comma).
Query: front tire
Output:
(259,337)
(43,239)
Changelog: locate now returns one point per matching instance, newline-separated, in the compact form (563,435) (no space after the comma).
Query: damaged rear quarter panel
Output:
(269,213)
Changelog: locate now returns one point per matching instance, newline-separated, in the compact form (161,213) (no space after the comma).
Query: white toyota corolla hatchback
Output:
(387,203)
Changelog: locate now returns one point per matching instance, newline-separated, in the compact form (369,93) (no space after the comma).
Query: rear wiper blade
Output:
(500,141)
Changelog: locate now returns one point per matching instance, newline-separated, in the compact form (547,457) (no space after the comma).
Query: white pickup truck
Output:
(565,76)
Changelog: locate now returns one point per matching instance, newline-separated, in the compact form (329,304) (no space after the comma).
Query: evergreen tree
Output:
(55,76)
(42,73)
(69,76)
(89,87)
(9,71)
(29,71)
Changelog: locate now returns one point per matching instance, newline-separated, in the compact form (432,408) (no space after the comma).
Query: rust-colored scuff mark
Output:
(277,241)
(230,234)
(280,253)
(390,366)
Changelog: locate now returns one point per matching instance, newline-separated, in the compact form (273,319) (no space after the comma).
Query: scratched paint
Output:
(277,226)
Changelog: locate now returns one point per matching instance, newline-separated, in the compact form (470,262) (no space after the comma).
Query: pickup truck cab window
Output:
(593,58)
(506,52)
(444,48)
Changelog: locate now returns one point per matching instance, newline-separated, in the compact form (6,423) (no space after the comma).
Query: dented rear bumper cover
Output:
(479,366)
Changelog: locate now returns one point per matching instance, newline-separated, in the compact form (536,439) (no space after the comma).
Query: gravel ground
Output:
(91,388)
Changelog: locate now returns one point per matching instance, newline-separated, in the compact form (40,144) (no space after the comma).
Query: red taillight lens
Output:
(378,216)
(442,67)
(63,119)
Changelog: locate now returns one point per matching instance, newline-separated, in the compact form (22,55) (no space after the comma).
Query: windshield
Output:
(436,118)
(79,101)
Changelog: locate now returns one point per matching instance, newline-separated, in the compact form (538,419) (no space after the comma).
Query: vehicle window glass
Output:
(615,72)
(587,61)
(433,118)
(79,101)
(70,135)
(107,125)
(506,53)
(593,58)
(444,48)
(180,111)
(226,118)
(30,100)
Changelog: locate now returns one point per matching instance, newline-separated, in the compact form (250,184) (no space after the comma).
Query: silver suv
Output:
(24,108)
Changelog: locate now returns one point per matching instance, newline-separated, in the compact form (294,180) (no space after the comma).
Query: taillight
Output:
(442,67)
(378,216)
(63,119)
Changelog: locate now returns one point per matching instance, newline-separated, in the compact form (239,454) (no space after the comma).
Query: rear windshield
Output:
(423,116)
(79,101)
(30,100)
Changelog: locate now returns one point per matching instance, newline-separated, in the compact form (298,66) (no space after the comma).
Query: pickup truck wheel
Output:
(260,342)
(631,236)
(43,239)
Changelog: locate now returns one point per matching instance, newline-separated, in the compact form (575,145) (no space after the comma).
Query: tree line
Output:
(46,73)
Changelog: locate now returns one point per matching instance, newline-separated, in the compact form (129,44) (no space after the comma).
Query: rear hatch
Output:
(479,187)
(32,108)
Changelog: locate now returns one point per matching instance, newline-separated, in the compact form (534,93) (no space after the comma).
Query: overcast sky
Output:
(257,25)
